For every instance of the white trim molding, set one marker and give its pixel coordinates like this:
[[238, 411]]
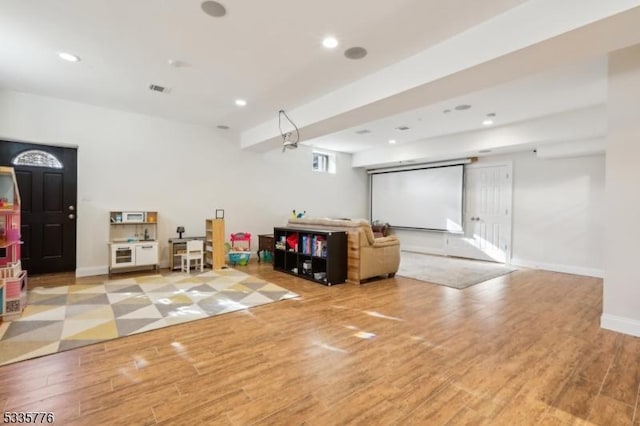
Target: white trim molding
[[567, 269], [620, 324], [90, 271], [423, 250]]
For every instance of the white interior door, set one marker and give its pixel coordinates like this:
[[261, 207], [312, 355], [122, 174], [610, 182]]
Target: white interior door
[[487, 217]]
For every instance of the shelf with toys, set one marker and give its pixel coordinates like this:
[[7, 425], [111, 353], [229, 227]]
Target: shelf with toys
[[240, 248], [316, 255], [133, 240]]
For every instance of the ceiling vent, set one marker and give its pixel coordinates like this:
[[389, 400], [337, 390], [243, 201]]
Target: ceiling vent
[[156, 88], [363, 131], [402, 128]]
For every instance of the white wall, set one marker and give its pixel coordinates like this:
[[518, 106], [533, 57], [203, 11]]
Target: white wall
[[558, 214], [621, 301], [136, 162], [431, 242], [131, 161]]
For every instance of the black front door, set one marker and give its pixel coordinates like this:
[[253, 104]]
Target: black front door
[[48, 211]]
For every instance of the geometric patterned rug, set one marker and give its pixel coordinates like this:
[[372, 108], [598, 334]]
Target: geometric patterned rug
[[62, 318]]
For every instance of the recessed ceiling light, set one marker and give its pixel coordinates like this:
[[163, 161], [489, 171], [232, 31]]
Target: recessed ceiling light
[[487, 122], [222, 127], [68, 57], [446, 111], [176, 63], [491, 114], [241, 102], [213, 8], [355, 52], [330, 42], [392, 141], [402, 128], [363, 131]]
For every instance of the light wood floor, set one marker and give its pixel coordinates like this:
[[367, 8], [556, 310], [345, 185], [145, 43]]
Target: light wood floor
[[521, 349]]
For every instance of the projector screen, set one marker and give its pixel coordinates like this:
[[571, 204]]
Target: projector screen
[[428, 198]]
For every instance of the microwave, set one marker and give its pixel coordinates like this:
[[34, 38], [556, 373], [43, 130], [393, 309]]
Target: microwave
[[133, 217]]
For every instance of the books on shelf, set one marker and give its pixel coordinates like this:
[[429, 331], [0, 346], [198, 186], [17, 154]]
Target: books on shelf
[[314, 245], [320, 246]]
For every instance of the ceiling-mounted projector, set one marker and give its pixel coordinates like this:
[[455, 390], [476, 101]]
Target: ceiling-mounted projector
[[287, 143], [289, 140]]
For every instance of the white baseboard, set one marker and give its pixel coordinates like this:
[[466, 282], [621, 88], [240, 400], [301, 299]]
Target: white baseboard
[[555, 267], [90, 271], [620, 324], [420, 249]]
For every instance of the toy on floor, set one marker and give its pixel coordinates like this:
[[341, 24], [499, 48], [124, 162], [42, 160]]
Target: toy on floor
[[239, 254]]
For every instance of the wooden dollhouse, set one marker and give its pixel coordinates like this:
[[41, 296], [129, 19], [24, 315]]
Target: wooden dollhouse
[[13, 280]]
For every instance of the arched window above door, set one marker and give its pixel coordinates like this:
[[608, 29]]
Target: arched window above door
[[37, 158]]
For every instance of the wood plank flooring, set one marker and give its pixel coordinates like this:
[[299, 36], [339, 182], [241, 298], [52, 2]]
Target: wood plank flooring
[[525, 348]]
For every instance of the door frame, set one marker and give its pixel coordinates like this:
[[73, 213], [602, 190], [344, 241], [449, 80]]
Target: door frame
[[491, 164], [72, 264]]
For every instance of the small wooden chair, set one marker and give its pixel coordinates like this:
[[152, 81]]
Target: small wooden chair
[[195, 253]]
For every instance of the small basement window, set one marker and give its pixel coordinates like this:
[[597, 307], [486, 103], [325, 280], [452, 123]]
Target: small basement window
[[323, 162]]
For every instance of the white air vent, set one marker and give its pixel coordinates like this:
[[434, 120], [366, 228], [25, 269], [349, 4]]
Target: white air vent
[[156, 88]]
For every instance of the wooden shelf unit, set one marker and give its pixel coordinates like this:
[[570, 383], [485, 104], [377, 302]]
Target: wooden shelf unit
[[316, 255], [214, 243]]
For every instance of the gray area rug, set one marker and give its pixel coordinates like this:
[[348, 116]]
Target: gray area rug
[[449, 271]]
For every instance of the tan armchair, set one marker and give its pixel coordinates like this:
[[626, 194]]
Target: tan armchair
[[367, 256]]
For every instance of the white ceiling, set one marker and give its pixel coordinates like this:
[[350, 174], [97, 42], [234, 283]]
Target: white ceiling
[[270, 53], [564, 89]]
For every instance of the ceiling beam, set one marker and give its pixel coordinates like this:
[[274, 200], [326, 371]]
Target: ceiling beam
[[507, 47]]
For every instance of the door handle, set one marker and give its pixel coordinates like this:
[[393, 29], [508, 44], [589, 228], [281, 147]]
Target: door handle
[[71, 216], [71, 208]]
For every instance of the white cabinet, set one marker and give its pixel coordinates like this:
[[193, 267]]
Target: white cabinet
[[122, 255], [146, 254], [125, 255], [133, 239]]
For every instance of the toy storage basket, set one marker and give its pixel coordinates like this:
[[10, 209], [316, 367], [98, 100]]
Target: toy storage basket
[[239, 257]]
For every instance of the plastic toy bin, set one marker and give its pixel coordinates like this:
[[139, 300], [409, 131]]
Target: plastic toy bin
[[239, 257]]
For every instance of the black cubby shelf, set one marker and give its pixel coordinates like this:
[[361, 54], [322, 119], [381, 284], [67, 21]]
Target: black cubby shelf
[[317, 255]]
